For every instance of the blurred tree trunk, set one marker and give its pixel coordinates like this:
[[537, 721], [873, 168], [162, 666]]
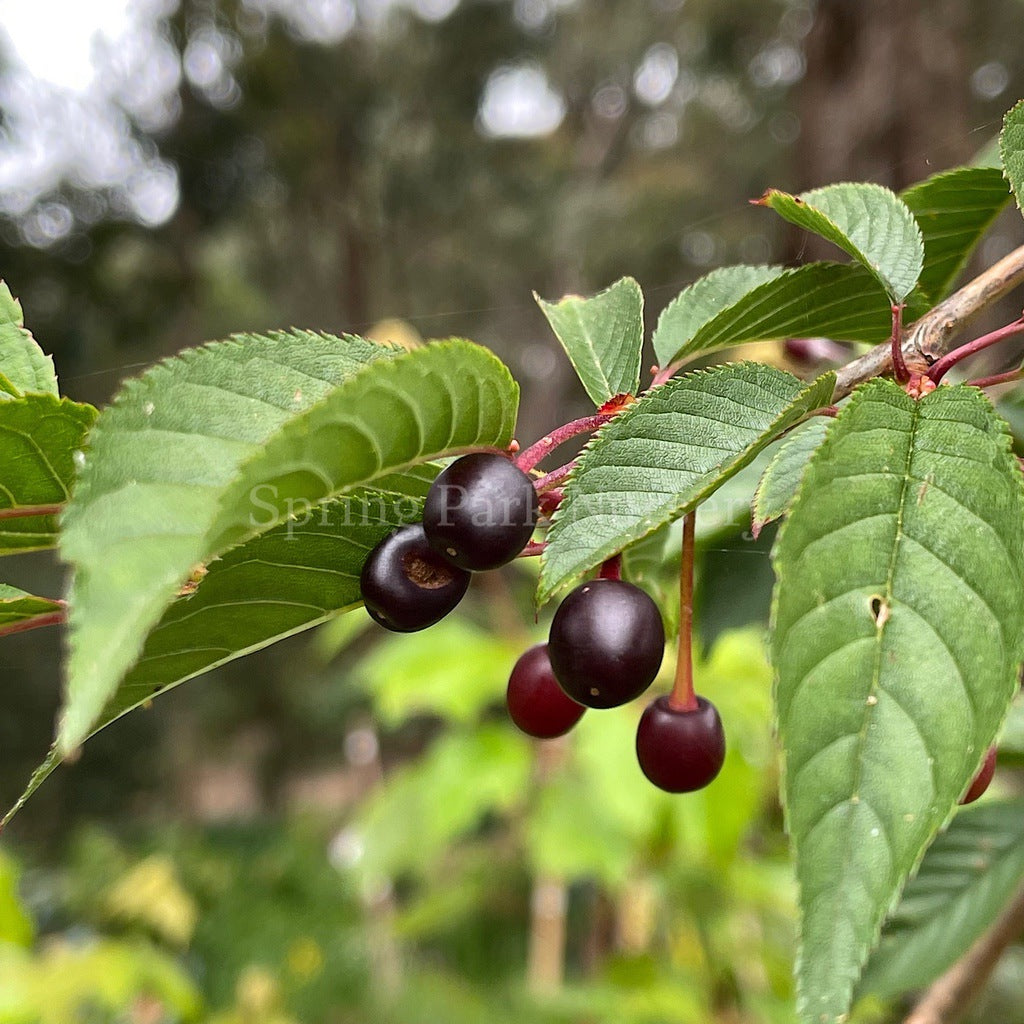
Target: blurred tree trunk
[[885, 94]]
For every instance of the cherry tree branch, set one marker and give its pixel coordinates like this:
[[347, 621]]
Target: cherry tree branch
[[935, 333], [951, 996]]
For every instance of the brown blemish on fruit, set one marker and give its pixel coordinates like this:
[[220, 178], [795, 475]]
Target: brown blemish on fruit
[[426, 575]]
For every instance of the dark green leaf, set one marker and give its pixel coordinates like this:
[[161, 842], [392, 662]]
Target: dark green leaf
[[1011, 150], [897, 636], [954, 210], [834, 300], [664, 455], [968, 875], [23, 365], [603, 337], [701, 302]]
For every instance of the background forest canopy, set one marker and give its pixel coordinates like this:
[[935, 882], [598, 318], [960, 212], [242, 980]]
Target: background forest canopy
[[173, 172]]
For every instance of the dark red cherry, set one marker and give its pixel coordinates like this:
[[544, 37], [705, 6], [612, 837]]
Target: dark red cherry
[[680, 751], [982, 779], [606, 643], [406, 585], [536, 703], [481, 511]]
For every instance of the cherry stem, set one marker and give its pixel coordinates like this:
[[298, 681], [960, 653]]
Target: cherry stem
[[535, 547], [36, 622], [27, 511], [682, 697], [546, 482], [997, 378], [539, 450], [899, 364], [939, 369], [611, 569], [664, 373]]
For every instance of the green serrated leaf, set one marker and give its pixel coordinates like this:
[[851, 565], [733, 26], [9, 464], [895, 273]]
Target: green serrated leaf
[[867, 221], [782, 476], [18, 608], [221, 444], [954, 210], [897, 635], [603, 337], [664, 455], [968, 875], [701, 302], [1011, 151], [834, 300], [283, 582], [39, 436], [24, 365]]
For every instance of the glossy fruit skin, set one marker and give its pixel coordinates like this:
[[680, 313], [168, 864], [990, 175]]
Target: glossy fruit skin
[[480, 511], [606, 643], [536, 703], [406, 585], [982, 779], [680, 751]]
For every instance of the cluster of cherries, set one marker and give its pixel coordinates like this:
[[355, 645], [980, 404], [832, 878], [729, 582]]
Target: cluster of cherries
[[606, 641]]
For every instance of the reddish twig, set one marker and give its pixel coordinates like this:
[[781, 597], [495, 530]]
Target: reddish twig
[[36, 622], [662, 374], [997, 378], [939, 369], [28, 511], [540, 449], [899, 364], [611, 569], [535, 547], [546, 482]]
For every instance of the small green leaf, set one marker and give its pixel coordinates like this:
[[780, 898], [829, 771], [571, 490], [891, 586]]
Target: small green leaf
[[701, 302], [778, 485], [39, 436], [18, 609], [603, 337], [867, 221], [968, 875], [23, 364], [897, 637], [664, 455], [833, 300], [223, 443], [954, 210], [1011, 150]]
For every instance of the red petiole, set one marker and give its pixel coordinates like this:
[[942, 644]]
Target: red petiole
[[939, 369]]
